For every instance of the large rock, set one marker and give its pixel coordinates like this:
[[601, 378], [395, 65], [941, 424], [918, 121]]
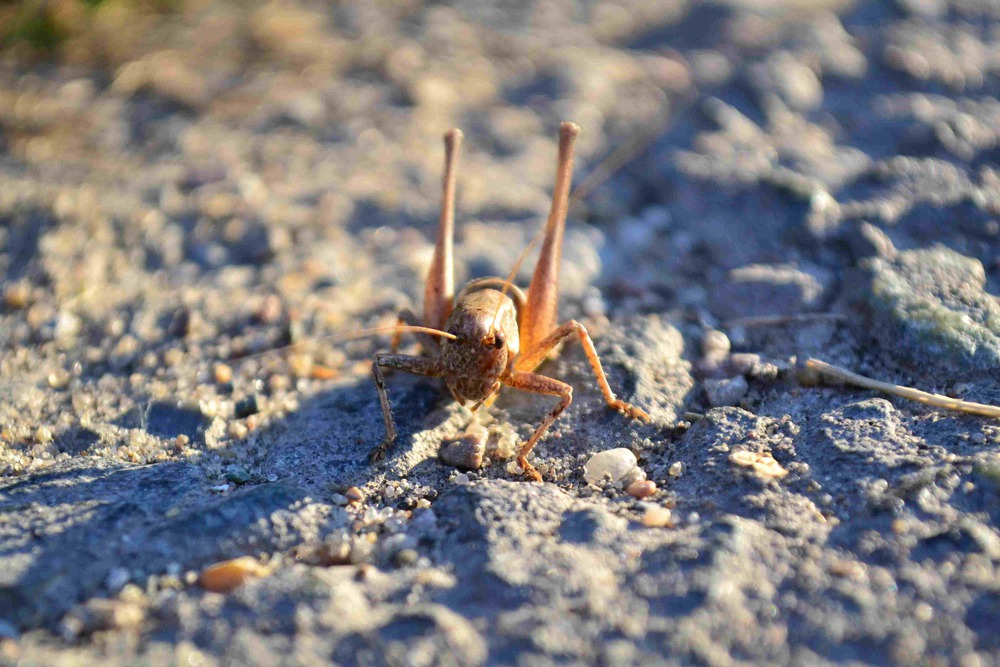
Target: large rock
[[930, 311]]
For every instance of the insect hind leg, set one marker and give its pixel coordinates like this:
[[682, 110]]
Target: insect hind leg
[[439, 291], [532, 358]]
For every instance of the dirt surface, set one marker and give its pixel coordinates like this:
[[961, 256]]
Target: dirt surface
[[185, 187]]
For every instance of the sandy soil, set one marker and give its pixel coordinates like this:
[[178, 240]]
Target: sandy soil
[[187, 186]]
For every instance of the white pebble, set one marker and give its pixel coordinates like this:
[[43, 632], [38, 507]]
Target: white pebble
[[715, 343], [68, 326], [656, 516], [617, 464]]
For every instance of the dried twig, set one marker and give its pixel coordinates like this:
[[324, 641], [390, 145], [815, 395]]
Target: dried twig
[[936, 400]]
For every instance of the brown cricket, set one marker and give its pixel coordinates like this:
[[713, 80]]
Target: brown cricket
[[493, 334]]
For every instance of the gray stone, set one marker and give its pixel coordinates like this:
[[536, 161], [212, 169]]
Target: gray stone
[[930, 311], [726, 391], [465, 452]]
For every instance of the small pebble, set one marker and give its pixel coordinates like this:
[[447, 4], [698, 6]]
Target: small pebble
[[270, 309], [464, 452], [320, 372], [461, 478], [67, 326], [102, 614], [58, 379], [223, 373], [978, 438], [248, 406], [715, 343], [354, 495], [616, 464], [301, 364], [726, 392], [43, 435], [762, 463], [657, 516], [643, 489], [277, 383], [405, 557], [238, 475], [324, 554], [231, 574], [743, 363], [17, 296], [676, 469]]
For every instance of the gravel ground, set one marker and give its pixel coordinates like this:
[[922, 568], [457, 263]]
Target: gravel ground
[[187, 186]]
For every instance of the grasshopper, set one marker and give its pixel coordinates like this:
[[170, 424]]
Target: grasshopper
[[493, 334]]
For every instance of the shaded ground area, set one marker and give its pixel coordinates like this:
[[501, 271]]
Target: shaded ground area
[[185, 187]]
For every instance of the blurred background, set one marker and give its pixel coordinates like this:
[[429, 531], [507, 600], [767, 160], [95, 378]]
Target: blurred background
[[186, 181]]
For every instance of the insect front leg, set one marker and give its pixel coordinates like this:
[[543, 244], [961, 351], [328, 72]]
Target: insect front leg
[[539, 384], [532, 358], [404, 362]]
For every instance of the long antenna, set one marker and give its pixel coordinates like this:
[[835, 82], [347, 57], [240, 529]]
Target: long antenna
[[354, 335], [513, 272]]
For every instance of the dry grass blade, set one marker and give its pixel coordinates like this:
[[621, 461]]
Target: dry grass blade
[[936, 400]]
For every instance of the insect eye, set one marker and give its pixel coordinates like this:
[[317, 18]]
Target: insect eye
[[498, 341]]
